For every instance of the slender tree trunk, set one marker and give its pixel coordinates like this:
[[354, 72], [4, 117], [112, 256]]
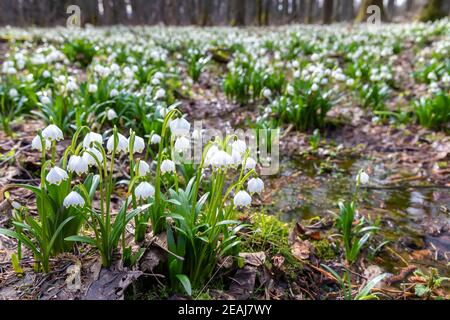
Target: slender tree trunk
[[309, 14], [237, 12], [327, 11], [391, 9], [347, 10]]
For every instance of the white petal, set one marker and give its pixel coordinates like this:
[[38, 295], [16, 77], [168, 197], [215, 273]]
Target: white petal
[[73, 199]]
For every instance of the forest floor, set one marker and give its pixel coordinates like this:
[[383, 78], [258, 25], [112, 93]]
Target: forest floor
[[409, 198]]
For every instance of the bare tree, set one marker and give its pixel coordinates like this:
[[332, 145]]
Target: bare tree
[[327, 11], [347, 10]]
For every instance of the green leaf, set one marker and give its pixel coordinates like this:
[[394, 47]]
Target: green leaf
[[27, 242], [81, 239], [55, 235], [185, 282], [364, 292]]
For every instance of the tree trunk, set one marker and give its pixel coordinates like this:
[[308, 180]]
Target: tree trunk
[[347, 10], [309, 12], [327, 11], [432, 11], [237, 12], [391, 9]]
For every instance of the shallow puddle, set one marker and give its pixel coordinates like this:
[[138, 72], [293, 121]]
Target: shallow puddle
[[412, 218]]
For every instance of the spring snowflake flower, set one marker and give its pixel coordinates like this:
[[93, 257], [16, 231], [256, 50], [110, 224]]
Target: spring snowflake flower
[[236, 157], [167, 166], [46, 74], [78, 165], [73, 199], [155, 138], [111, 114], [92, 88], [143, 168], [139, 144], [181, 144], [350, 82], [209, 155], [13, 93], [91, 161], [160, 94], [113, 93], [250, 164], [239, 145], [90, 138], [122, 143], [56, 175], [255, 185], [180, 127], [221, 159], [144, 190], [52, 133], [267, 93], [36, 143], [71, 85], [242, 199], [44, 99], [290, 90], [314, 87], [362, 177]]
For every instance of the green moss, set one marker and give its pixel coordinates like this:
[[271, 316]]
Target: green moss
[[323, 250]]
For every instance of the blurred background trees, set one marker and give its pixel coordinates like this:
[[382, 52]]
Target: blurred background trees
[[216, 12]]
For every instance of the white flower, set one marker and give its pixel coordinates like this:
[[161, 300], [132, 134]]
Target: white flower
[[290, 90], [236, 156], [160, 94], [37, 143], [46, 74], [122, 143], [221, 159], [52, 133], [242, 199], [182, 144], [139, 144], [239, 145], [267, 93], [167, 166], [91, 161], [180, 127], [314, 87], [250, 164], [211, 152], [255, 185], [113, 93], [13, 92], [45, 99], [90, 138], [56, 175], [92, 88], [362, 177], [144, 190], [350, 82], [73, 199], [71, 85], [155, 139], [111, 114], [143, 168], [78, 164]]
